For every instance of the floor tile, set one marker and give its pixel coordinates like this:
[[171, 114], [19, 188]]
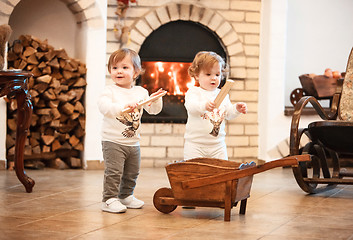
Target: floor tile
[[65, 204]]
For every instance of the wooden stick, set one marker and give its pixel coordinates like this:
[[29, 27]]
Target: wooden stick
[[223, 93], [146, 101]]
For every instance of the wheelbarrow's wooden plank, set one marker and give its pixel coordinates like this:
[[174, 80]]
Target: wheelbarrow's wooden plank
[[218, 178], [178, 202], [215, 162], [168, 201]]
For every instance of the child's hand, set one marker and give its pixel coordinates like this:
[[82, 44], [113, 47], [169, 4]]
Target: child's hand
[[210, 106], [131, 106], [160, 91], [241, 107]]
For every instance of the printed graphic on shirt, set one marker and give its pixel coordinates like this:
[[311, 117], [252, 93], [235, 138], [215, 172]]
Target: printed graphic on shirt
[[132, 121], [216, 118]]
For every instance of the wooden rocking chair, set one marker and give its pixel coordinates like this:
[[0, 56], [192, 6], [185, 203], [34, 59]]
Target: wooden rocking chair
[[333, 135]]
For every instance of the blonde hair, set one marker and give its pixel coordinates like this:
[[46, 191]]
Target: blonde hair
[[205, 60], [120, 54]]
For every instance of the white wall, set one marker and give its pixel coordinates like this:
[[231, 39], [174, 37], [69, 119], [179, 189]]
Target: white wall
[[95, 84], [297, 36], [96, 69], [44, 19], [319, 36], [2, 129], [273, 126], [3, 119]]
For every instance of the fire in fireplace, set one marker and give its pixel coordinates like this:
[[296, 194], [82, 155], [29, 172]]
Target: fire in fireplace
[[172, 77]]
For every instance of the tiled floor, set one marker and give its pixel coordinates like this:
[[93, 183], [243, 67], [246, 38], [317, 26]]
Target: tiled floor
[[65, 205]]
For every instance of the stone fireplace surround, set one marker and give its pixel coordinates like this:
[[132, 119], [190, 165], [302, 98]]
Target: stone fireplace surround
[[237, 23]]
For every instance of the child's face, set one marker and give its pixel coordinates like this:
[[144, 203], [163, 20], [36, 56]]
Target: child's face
[[209, 79], [123, 73]]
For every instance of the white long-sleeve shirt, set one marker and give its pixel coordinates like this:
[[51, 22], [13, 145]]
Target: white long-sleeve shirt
[[125, 128], [205, 127]]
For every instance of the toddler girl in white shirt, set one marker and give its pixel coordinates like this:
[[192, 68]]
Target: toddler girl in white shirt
[[205, 127]]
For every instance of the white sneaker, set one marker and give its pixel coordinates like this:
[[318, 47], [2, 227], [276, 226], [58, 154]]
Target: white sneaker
[[113, 205], [132, 202]]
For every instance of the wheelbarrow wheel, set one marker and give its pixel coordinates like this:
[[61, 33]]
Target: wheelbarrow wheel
[[296, 95], [163, 192]]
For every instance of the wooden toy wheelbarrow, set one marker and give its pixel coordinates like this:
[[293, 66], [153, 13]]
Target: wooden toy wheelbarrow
[[207, 182]]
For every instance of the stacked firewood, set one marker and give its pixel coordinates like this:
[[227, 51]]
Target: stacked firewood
[[56, 88]]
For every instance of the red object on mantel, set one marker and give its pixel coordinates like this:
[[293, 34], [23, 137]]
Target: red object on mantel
[[127, 1], [123, 5]]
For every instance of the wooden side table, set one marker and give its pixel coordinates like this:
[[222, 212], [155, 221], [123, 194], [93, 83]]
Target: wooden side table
[[14, 84]]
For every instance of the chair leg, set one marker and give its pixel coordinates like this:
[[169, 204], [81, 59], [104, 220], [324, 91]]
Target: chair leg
[[336, 164], [24, 113], [228, 201], [242, 209], [227, 210], [323, 161]]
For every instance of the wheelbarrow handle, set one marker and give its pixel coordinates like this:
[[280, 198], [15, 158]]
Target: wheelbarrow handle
[[232, 175]]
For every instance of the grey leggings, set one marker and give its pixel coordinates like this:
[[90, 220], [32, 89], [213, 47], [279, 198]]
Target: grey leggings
[[122, 165]]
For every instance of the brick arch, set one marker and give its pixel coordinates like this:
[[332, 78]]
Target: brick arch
[[143, 27], [84, 11]]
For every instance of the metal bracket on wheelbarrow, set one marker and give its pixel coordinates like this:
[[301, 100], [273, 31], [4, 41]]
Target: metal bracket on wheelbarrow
[[208, 182]]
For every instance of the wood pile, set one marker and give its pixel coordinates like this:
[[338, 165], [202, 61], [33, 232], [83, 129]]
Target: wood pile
[[57, 89]]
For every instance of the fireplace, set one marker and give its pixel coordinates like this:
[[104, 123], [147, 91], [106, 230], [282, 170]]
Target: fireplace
[[166, 55]]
